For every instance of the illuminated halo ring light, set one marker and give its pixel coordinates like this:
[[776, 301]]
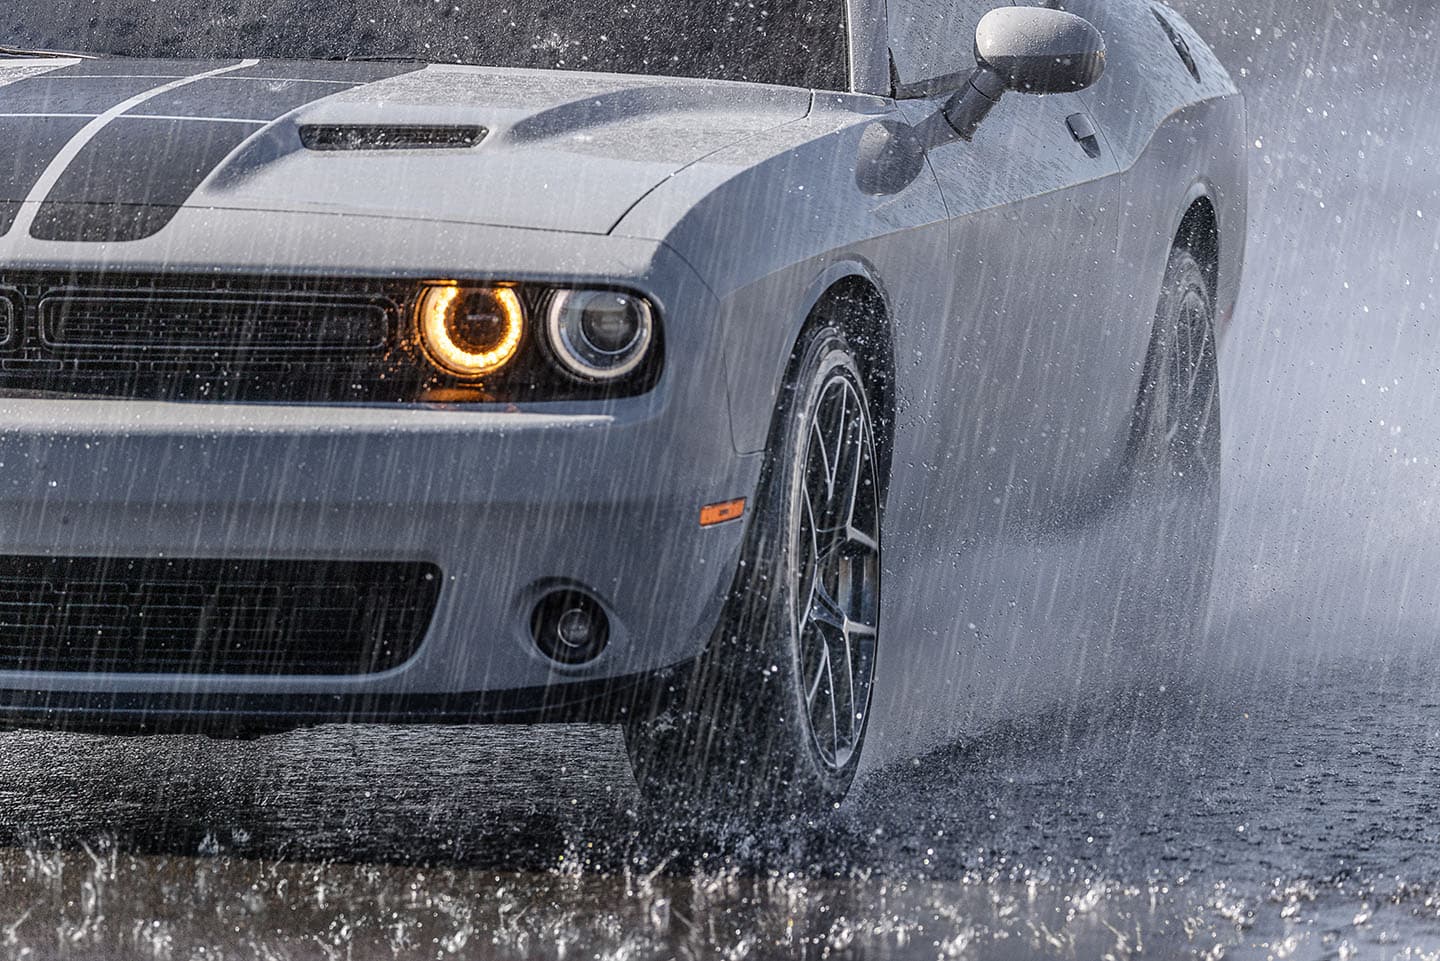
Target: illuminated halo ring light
[[470, 331]]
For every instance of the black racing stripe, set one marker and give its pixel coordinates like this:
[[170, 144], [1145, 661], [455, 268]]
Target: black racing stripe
[[130, 180], [236, 99], [101, 222], [335, 71], [30, 144], [136, 67], [32, 139], [62, 93]]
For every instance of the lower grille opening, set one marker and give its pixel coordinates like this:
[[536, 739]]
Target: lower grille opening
[[189, 616]]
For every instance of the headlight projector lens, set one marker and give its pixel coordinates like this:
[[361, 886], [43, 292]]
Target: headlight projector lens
[[600, 334], [471, 331]]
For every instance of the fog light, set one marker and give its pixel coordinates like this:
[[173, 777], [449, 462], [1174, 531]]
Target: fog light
[[470, 331], [600, 334], [570, 627]]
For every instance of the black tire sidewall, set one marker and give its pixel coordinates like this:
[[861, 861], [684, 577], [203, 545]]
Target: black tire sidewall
[[824, 356]]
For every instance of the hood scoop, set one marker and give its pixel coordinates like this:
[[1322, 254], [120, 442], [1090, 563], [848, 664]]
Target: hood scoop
[[374, 136]]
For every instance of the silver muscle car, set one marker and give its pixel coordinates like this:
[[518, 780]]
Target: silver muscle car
[[413, 363]]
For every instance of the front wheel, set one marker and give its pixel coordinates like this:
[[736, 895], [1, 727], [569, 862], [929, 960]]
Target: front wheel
[[771, 720]]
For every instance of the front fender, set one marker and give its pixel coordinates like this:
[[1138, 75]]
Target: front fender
[[773, 223]]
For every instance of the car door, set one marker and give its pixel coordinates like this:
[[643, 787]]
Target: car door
[[1022, 402], [1016, 396]]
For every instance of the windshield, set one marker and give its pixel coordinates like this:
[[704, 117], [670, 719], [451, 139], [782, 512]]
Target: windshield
[[793, 42]]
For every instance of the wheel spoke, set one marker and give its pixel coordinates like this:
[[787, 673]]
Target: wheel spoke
[[849, 698], [856, 447], [834, 710], [820, 672], [862, 661], [860, 629], [825, 458], [824, 609], [810, 568], [841, 420], [856, 538]]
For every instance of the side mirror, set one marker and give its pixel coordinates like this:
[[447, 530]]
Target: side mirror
[[1029, 50], [1037, 50]]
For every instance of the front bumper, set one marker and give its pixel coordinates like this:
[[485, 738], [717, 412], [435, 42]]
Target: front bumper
[[506, 502]]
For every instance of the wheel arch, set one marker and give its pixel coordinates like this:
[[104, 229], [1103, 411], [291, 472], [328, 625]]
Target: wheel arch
[[1210, 222], [851, 297]]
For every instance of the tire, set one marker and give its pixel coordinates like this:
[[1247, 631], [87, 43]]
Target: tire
[[1176, 440], [756, 731], [1175, 478]]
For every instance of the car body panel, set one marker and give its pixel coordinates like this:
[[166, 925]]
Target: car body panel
[[565, 152], [1032, 600], [794, 198], [1039, 421], [1159, 119], [492, 498]]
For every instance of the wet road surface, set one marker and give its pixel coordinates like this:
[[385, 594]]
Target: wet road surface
[[1237, 817]]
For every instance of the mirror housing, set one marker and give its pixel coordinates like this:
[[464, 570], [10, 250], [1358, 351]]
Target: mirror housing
[[1038, 50], [1029, 50]]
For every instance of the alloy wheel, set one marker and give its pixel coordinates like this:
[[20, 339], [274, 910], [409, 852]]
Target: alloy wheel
[[1183, 385], [838, 571]]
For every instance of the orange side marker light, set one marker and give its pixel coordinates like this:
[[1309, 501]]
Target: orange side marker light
[[712, 514]]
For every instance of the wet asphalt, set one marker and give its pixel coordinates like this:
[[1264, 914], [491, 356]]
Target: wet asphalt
[[1236, 816]]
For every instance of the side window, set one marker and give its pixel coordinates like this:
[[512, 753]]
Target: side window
[[934, 39]]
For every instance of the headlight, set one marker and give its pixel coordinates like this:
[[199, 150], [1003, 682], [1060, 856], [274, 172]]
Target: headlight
[[600, 334], [470, 331]]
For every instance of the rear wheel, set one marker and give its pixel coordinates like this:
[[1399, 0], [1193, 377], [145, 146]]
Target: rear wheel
[[771, 721], [1177, 436], [1175, 473]]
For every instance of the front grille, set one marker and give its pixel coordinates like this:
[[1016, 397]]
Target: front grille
[[163, 322], [188, 616], [238, 338], [230, 339]]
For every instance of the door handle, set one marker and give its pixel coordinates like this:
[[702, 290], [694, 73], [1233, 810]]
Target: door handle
[[1083, 130]]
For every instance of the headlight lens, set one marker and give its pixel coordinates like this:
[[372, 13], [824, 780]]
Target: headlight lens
[[600, 334], [470, 331]]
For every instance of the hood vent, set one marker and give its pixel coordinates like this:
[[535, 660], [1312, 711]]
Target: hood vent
[[374, 136]]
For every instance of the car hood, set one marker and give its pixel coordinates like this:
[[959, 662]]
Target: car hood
[[116, 147]]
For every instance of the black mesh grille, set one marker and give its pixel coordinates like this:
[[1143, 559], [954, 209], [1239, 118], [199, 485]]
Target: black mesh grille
[[166, 322], [186, 616], [224, 339]]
